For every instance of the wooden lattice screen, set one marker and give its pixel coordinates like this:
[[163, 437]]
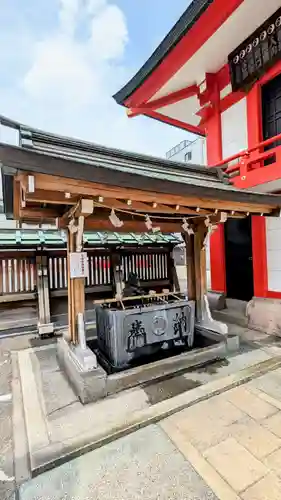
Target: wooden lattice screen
[[152, 266], [99, 270], [18, 270], [17, 274]]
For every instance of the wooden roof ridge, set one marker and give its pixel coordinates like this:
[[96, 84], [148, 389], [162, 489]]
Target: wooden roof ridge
[[63, 157], [114, 173], [36, 139]]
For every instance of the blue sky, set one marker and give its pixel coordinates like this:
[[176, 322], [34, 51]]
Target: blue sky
[[61, 61]]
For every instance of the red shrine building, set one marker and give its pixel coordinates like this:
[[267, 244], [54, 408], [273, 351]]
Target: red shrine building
[[217, 74]]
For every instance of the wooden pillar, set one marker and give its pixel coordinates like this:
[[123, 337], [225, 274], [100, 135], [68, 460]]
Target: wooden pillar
[[190, 265], [76, 280], [200, 269], [76, 292], [196, 267]]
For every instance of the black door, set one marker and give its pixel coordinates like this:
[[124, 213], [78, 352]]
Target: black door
[[238, 259], [271, 109]]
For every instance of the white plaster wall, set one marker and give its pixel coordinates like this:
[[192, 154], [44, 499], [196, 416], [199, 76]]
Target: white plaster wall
[[7, 224], [234, 129], [273, 244]]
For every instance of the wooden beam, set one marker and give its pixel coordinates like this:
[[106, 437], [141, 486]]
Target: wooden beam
[[51, 197], [84, 207], [58, 198], [83, 188], [166, 100], [151, 208], [38, 213], [129, 226]]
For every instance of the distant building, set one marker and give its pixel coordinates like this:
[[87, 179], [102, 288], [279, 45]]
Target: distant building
[[189, 152]]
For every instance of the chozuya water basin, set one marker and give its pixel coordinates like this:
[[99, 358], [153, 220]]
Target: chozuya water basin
[[156, 322]]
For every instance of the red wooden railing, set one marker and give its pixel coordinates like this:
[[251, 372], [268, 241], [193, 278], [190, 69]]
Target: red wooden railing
[[252, 158]]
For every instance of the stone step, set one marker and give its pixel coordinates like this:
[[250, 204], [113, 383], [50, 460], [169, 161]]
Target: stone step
[[231, 316], [237, 305]]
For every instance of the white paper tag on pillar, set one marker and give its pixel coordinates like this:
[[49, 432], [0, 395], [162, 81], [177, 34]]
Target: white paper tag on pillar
[[223, 217], [79, 267]]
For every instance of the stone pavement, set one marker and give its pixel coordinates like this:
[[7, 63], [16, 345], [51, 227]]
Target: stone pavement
[[8, 411], [140, 458], [224, 448], [58, 427], [234, 440], [145, 465], [7, 484]]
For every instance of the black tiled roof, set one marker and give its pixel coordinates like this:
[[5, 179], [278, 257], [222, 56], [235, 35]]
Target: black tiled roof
[[193, 12]]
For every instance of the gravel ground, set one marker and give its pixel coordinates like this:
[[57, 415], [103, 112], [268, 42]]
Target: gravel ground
[[7, 483], [7, 473]]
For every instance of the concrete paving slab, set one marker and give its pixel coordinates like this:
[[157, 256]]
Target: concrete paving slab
[[206, 423], [235, 464], [57, 392], [75, 431], [270, 383], [268, 488], [143, 465], [273, 462], [46, 359], [214, 480], [7, 473], [259, 441], [105, 413], [273, 424], [21, 451], [250, 404], [264, 396], [34, 417]]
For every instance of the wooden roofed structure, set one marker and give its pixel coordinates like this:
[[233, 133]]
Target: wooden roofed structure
[[83, 186]]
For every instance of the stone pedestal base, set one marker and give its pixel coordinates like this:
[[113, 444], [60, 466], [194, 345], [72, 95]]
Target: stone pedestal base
[[264, 315], [217, 300], [45, 329], [87, 378]]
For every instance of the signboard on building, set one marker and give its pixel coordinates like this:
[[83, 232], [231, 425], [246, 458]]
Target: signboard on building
[[78, 265], [256, 54]]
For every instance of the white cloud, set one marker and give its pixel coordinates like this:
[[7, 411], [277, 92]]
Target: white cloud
[[69, 10], [109, 33], [61, 73], [94, 6], [68, 75], [71, 71]]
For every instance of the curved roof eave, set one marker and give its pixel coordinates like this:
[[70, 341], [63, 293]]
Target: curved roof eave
[[193, 12]]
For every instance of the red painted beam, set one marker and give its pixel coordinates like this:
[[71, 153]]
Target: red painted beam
[[230, 100], [223, 77], [210, 21], [166, 100], [175, 123]]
